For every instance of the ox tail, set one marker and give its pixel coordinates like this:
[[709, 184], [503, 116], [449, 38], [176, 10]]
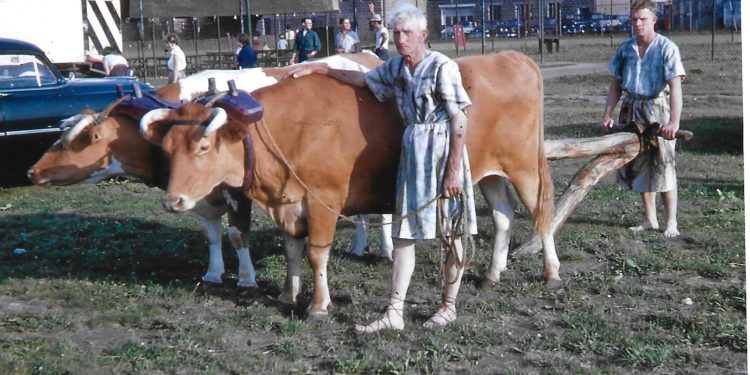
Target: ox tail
[[545, 203]]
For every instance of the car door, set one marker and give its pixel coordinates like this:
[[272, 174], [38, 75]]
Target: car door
[[32, 96]]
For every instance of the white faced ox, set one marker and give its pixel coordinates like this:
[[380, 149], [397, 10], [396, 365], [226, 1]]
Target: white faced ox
[[324, 148], [98, 146], [94, 147]]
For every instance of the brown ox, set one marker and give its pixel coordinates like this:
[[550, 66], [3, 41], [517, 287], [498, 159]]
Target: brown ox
[[337, 154], [109, 144]]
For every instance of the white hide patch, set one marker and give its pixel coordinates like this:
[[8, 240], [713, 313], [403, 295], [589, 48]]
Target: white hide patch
[[246, 79], [250, 80], [112, 170], [341, 63]]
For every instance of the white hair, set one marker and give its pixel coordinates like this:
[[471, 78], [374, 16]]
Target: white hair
[[404, 12]]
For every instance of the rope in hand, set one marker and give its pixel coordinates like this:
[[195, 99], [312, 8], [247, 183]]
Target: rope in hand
[[458, 224]]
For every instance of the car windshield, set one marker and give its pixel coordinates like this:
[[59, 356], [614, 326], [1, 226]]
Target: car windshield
[[24, 71]]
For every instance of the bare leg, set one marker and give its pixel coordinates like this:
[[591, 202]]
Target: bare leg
[[386, 242], [670, 206], [403, 267], [650, 221], [452, 275]]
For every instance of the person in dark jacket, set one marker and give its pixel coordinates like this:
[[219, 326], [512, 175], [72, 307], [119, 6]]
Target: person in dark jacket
[[246, 58], [307, 44]]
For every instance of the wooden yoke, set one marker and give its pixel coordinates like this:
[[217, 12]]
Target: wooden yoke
[[610, 152]]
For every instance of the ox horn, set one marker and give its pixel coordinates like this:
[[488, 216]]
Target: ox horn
[[152, 116], [218, 118], [79, 122]]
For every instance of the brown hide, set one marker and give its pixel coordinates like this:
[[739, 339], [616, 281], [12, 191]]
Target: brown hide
[[325, 148], [344, 145], [119, 136]]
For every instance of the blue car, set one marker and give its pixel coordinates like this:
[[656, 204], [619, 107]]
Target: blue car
[[35, 98]]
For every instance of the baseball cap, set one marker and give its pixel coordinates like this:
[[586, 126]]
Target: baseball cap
[[376, 17]]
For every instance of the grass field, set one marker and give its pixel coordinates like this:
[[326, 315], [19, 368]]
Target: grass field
[[100, 279]]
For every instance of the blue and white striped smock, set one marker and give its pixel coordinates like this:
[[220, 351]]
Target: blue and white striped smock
[[426, 99], [644, 80]]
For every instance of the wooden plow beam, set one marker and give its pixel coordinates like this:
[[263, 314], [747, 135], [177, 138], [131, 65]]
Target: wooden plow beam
[[610, 152]]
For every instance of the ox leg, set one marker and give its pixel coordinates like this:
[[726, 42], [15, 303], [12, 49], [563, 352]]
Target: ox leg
[[551, 263], [527, 187], [292, 284], [496, 193], [322, 227], [403, 268], [212, 230], [240, 213], [386, 241], [359, 245], [246, 273]]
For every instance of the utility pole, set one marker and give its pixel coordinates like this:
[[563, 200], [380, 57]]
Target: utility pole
[[249, 20]]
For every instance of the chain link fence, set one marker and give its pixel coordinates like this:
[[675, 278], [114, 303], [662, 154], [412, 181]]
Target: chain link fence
[[566, 38]]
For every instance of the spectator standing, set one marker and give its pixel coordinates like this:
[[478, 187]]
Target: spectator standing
[[176, 64], [307, 44], [381, 34], [113, 63], [648, 69], [282, 44], [346, 39], [290, 35], [246, 58], [433, 161]]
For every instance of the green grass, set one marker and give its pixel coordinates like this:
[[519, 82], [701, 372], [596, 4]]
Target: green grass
[[107, 282]]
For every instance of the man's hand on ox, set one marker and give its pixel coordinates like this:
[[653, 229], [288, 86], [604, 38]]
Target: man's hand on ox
[[302, 70]]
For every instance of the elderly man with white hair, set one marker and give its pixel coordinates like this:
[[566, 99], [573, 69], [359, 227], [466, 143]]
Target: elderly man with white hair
[[428, 89]]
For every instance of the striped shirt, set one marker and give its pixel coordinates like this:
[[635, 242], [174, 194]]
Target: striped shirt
[[426, 99], [647, 76]]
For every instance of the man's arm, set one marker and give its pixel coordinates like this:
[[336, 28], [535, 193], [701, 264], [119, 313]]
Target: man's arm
[[669, 130], [354, 78], [384, 39], [451, 182], [613, 96]]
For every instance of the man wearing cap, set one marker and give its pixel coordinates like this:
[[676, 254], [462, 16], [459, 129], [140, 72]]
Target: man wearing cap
[[381, 35]]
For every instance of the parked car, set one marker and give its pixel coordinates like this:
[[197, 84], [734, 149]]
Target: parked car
[[506, 30], [35, 98]]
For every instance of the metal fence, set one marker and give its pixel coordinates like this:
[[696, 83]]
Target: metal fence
[[707, 31]]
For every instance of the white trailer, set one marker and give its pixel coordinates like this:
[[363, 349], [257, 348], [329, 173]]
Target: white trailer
[[64, 29]]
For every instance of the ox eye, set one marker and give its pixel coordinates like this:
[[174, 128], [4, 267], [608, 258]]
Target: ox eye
[[204, 148]]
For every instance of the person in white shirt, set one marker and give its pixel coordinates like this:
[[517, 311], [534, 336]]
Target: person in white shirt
[[177, 62], [113, 63], [346, 39]]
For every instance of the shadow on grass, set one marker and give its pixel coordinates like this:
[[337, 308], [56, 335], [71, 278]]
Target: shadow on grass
[[712, 135], [113, 249]]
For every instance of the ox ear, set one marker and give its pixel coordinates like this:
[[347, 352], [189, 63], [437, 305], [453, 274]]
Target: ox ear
[[152, 126]]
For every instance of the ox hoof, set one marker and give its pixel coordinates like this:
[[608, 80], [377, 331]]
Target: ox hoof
[[284, 299], [210, 286], [488, 284], [554, 283], [317, 314], [245, 293]]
